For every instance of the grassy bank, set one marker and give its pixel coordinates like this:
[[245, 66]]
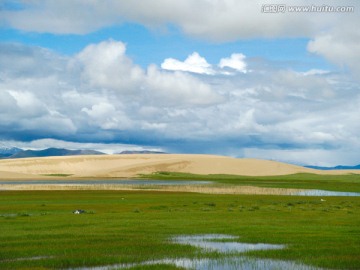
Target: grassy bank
[[346, 182], [39, 231]]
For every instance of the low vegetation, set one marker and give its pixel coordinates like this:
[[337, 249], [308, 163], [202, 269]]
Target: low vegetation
[[40, 231]]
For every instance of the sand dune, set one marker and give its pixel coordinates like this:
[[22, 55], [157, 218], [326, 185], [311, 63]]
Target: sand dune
[[133, 164]]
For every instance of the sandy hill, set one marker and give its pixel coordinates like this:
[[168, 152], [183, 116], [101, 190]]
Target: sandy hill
[[134, 164]]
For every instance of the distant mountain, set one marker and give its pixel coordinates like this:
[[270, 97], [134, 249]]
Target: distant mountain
[[141, 152], [339, 167], [53, 152], [8, 151]]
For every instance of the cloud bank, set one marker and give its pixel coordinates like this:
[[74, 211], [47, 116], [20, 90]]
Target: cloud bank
[[101, 96]]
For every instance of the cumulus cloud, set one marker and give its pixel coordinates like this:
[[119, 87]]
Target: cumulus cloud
[[341, 46], [193, 63], [98, 90], [106, 116], [197, 64], [179, 88], [105, 65], [235, 61], [29, 105]]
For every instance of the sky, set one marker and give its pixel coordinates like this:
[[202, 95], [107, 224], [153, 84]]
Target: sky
[[248, 79]]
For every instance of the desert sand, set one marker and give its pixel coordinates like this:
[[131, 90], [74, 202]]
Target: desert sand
[[126, 166]]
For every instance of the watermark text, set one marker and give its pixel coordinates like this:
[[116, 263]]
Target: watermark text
[[282, 8]]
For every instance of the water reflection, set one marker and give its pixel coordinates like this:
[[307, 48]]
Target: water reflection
[[222, 244], [317, 192], [236, 263], [210, 242]]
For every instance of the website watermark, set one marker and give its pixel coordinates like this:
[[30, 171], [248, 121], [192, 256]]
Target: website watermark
[[282, 8]]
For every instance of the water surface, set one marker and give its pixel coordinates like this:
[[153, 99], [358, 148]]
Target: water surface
[[106, 182], [210, 242], [318, 192]]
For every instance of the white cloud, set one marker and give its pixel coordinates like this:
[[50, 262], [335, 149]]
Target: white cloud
[[193, 63], [105, 116], [235, 61], [341, 46], [179, 88], [105, 65], [28, 104], [197, 64]]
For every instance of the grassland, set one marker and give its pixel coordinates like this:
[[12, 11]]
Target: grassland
[[39, 230]]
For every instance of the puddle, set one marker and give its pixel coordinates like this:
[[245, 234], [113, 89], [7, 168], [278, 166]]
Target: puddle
[[210, 242], [106, 182], [236, 263], [317, 192], [222, 244]]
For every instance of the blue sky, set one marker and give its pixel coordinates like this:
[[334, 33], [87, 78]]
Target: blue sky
[[162, 43], [217, 77]]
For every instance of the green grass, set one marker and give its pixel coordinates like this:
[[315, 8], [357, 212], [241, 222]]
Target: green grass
[[134, 226], [349, 182]]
